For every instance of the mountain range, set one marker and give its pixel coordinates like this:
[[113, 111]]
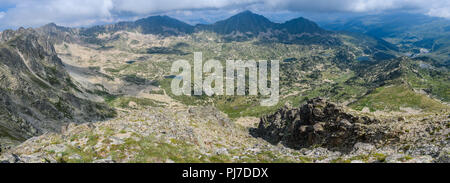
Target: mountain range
[[242, 26], [63, 80], [245, 22], [414, 34]]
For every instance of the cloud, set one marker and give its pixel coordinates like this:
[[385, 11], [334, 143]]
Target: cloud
[[150, 6], [67, 12], [431, 7], [440, 11], [87, 12]]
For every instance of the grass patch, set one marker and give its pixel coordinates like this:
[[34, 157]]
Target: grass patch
[[392, 98]]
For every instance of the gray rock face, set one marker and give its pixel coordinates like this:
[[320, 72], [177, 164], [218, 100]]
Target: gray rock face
[[36, 93], [318, 123], [363, 148], [58, 34], [444, 156]]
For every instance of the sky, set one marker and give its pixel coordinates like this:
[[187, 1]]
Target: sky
[[83, 13]]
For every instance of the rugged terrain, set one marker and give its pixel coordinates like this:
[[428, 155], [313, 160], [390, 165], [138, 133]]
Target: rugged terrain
[[316, 132], [415, 35], [102, 94], [36, 94]]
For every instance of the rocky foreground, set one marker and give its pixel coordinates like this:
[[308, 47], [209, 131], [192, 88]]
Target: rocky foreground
[[318, 131]]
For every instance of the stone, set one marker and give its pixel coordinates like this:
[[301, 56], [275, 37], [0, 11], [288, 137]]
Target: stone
[[362, 148], [132, 104], [345, 123], [356, 161], [116, 140], [12, 158], [318, 127], [394, 158], [221, 151], [321, 122], [107, 160]]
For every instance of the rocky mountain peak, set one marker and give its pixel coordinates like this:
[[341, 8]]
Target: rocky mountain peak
[[163, 25], [301, 25], [244, 22], [58, 34]]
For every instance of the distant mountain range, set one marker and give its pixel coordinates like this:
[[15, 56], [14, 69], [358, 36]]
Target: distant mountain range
[[245, 22], [414, 34], [242, 26], [250, 23], [162, 25], [393, 25]]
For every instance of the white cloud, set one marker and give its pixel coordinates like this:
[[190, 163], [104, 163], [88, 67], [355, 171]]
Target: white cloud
[[149, 6], [363, 6], [87, 12], [2, 14], [66, 12], [440, 10]]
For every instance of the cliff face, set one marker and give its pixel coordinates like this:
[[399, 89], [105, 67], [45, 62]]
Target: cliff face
[[36, 93]]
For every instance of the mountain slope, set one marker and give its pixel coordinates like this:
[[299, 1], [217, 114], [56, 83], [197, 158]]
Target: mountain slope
[[163, 25], [414, 34], [159, 25], [240, 27], [248, 25], [36, 94], [245, 22], [301, 25], [402, 83], [58, 34]]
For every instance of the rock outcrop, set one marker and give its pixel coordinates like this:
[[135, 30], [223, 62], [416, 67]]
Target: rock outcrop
[[319, 123]]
